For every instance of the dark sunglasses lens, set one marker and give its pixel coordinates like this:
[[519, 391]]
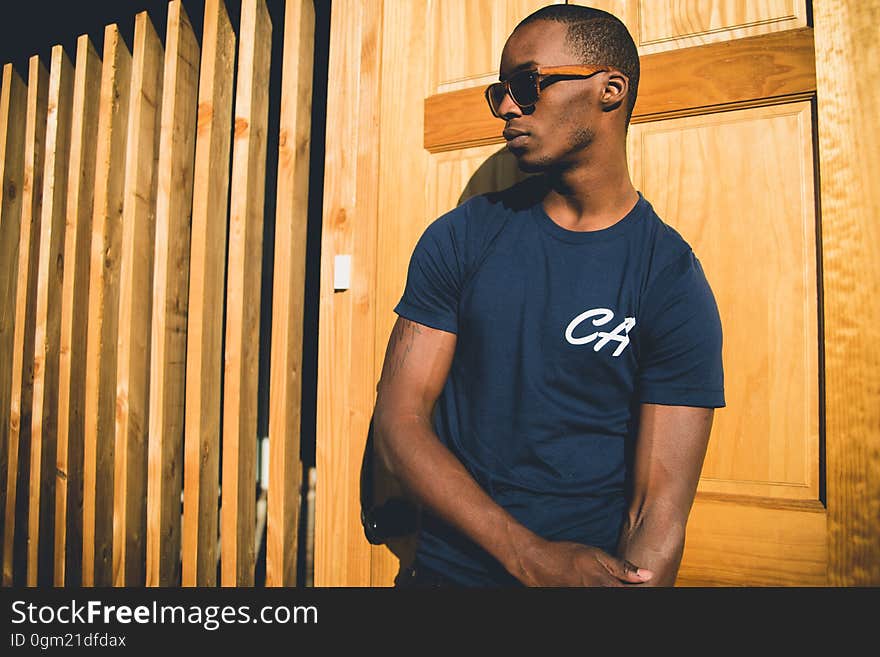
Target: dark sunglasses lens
[[496, 95], [524, 88]]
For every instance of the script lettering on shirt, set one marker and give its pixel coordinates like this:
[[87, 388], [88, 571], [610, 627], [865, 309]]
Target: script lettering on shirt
[[600, 317]]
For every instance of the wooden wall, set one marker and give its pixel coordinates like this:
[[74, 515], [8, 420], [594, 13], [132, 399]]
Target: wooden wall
[[738, 139], [130, 290]]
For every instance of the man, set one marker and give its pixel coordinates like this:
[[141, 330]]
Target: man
[[548, 388]]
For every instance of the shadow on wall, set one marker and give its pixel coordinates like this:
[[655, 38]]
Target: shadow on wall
[[389, 516], [498, 172]]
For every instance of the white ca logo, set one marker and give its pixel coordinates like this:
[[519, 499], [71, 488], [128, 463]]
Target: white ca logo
[[602, 317]]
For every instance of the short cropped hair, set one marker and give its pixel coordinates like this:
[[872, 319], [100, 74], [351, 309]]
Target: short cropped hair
[[596, 38]]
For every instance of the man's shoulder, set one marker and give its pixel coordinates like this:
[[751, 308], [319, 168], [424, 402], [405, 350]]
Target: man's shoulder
[[668, 246], [671, 261]]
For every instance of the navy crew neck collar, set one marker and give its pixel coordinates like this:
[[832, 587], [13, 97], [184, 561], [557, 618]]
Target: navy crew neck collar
[[581, 236]]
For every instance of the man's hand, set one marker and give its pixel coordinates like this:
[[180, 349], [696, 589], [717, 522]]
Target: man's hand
[[562, 563]]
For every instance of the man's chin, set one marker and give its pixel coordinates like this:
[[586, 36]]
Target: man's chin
[[529, 165], [530, 160]]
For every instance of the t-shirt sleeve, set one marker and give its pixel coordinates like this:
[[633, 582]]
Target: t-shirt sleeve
[[434, 277], [681, 362]]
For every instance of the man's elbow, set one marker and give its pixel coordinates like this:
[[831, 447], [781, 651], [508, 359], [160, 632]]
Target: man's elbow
[[391, 426], [383, 442], [658, 530]]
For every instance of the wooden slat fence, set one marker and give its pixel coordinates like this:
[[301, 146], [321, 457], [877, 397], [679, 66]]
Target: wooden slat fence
[[132, 214], [15, 517]]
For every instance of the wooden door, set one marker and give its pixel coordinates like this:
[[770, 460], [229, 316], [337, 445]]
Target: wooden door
[[723, 144]]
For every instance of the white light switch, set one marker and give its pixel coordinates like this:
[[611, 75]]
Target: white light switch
[[342, 272]]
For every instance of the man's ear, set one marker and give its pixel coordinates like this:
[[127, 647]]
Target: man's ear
[[615, 90]]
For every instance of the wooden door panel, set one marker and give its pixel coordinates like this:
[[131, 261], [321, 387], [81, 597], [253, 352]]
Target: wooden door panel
[[740, 542], [674, 24], [739, 187], [465, 39], [658, 25]]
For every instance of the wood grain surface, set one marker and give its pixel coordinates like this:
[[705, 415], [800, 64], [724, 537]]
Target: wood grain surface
[[103, 311], [346, 382], [21, 391], [204, 339], [288, 295], [13, 112], [243, 274], [74, 315], [848, 97], [47, 329], [170, 296], [135, 307]]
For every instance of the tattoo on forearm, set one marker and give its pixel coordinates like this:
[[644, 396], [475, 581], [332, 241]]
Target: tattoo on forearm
[[401, 343]]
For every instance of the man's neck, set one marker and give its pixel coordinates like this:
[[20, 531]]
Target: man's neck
[[592, 195]]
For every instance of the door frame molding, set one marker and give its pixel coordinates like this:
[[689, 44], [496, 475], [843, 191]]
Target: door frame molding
[[847, 93]]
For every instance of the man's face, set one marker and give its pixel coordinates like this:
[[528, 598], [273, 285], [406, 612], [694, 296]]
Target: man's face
[[558, 129]]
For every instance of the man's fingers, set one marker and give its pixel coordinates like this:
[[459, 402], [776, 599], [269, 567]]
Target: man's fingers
[[633, 571], [629, 572]]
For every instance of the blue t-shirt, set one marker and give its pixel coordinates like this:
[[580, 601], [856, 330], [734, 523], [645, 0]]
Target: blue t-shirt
[[561, 335]]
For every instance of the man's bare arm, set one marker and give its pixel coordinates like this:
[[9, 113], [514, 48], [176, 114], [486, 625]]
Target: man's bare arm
[[417, 363], [670, 449]]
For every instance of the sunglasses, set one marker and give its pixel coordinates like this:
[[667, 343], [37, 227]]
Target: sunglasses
[[524, 87]]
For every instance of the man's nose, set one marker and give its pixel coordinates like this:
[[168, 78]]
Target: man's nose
[[508, 109]]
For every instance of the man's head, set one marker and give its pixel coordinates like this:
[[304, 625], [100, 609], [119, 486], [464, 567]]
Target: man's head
[[595, 37], [571, 110]]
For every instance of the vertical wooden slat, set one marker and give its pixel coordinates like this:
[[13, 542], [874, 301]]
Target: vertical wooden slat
[[404, 39], [170, 288], [243, 296], [205, 320], [285, 382], [100, 388], [74, 299], [135, 300], [13, 108], [848, 57], [21, 393], [41, 512], [346, 333]]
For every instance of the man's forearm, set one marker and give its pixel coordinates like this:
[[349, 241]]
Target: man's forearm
[[654, 538], [413, 453]]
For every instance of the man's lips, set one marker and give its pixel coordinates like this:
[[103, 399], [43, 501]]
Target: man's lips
[[515, 137]]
